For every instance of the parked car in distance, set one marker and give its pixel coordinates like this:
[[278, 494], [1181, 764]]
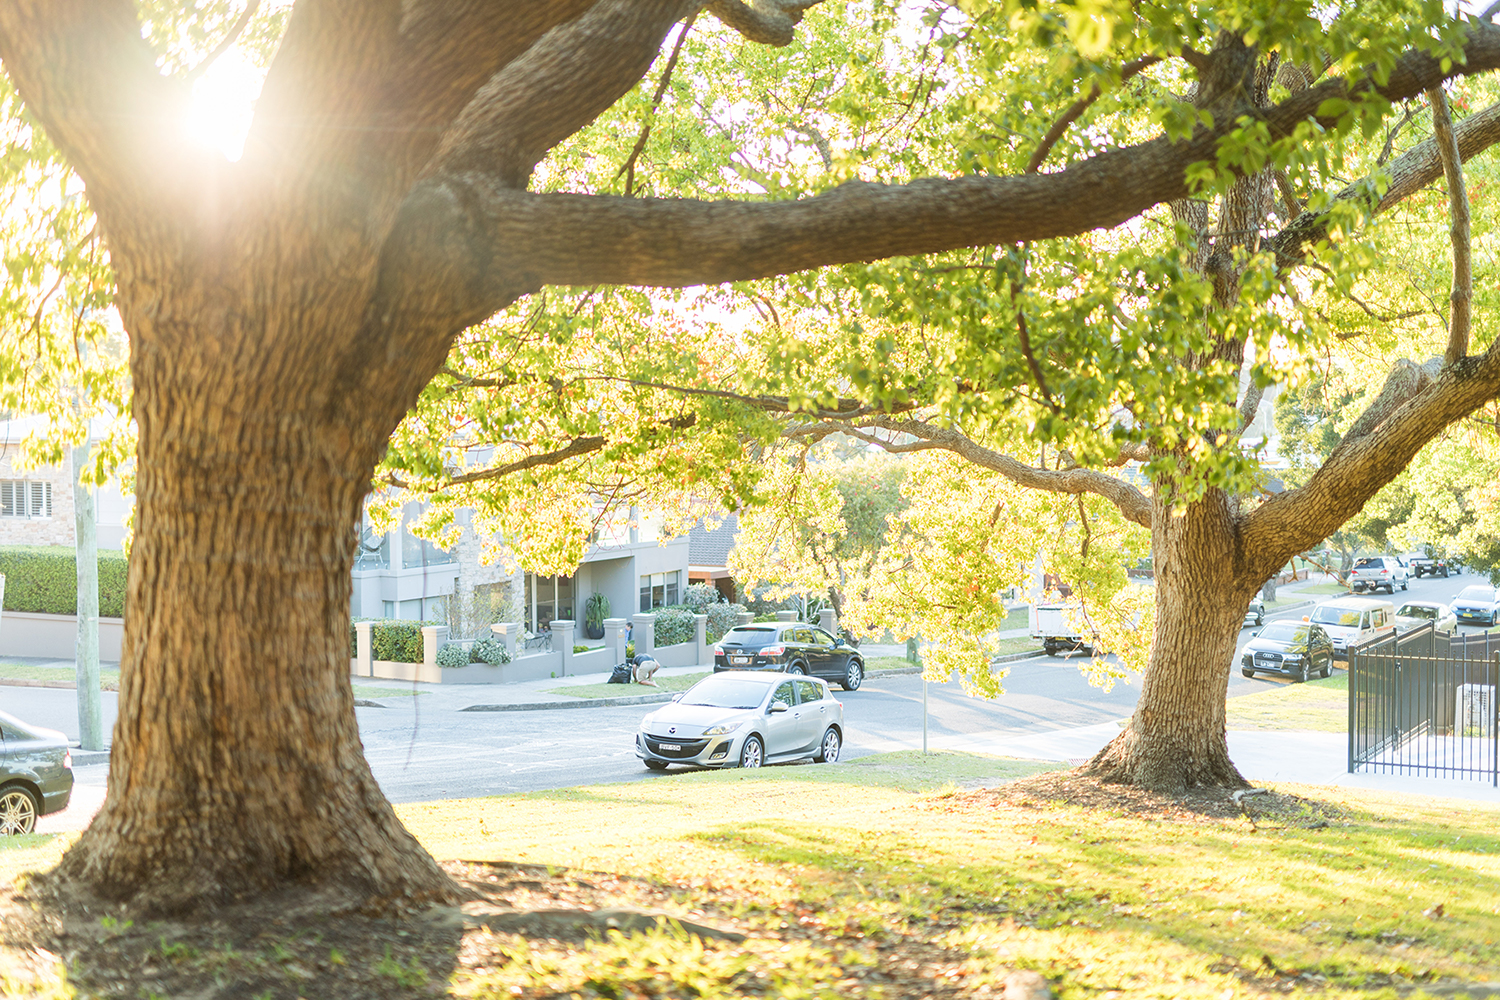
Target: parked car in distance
[[793, 648], [36, 774], [1298, 650], [1413, 614], [1377, 573], [1479, 603], [744, 719], [1420, 565], [1255, 614], [1351, 620]]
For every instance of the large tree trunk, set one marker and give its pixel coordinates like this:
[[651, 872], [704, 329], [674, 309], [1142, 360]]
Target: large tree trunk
[[1176, 738], [237, 764]]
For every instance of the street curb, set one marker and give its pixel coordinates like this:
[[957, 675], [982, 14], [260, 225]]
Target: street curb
[[1025, 654], [537, 706], [83, 758], [23, 683]]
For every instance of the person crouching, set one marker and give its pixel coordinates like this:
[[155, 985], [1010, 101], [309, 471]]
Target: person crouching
[[645, 666]]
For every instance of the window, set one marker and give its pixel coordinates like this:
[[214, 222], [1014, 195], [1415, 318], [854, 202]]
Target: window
[[547, 598], [809, 692], [25, 498], [659, 590]]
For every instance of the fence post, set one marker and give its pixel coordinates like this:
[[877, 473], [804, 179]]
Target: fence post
[[786, 616], [644, 633], [433, 637], [700, 636], [1350, 675], [562, 642], [614, 639], [745, 618], [828, 622], [363, 649], [508, 632]]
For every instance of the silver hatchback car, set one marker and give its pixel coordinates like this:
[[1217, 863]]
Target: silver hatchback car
[[744, 719]]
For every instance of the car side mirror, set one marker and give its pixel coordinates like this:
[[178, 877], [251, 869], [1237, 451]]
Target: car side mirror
[[838, 642], [1306, 618], [677, 696], [779, 706]]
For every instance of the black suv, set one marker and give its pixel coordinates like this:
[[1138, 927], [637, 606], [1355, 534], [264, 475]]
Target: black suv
[[791, 647]]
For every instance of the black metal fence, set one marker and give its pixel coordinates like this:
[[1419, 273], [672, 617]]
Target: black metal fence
[[1424, 703]]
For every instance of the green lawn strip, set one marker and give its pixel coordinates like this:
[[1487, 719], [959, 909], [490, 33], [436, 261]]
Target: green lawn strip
[[1018, 644], [371, 692], [108, 679], [833, 870], [889, 663], [673, 682], [1321, 589], [1321, 706]]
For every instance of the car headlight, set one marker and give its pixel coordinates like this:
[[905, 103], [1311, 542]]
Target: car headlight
[[1291, 657], [727, 727]]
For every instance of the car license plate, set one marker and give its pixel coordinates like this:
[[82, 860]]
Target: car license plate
[[739, 659], [670, 746]]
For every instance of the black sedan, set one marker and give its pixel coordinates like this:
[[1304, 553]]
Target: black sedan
[[791, 647], [36, 774], [1294, 649]]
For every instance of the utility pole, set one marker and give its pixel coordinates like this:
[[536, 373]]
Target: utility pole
[[90, 722]]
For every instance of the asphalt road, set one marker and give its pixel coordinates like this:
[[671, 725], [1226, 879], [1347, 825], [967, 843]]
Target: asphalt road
[[419, 754]]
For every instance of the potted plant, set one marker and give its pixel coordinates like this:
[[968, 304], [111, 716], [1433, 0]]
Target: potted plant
[[595, 610]]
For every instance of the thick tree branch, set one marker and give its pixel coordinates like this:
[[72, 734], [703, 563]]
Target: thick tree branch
[[1458, 209], [1409, 173], [564, 81], [1409, 412], [585, 239], [769, 22], [85, 72]]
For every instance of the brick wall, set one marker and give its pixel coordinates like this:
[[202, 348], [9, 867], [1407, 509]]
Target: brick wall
[[56, 530]]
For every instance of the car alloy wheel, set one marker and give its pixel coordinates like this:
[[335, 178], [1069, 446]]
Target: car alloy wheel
[[854, 676], [795, 668], [829, 754], [1328, 667], [1247, 671], [656, 765], [1303, 673], [17, 811], [753, 754]]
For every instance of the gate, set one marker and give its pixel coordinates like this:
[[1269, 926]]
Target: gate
[[1424, 703]]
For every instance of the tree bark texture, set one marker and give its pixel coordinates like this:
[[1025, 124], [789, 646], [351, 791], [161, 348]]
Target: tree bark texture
[[237, 764], [1176, 738]]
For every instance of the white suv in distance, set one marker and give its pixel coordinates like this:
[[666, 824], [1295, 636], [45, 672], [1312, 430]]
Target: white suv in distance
[[1377, 573]]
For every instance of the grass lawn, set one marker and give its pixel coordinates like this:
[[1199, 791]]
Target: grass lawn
[[1321, 706], [898, 876], [677, 682], [108, 679]]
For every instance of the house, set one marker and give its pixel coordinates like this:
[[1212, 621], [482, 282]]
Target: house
[[397, 575], [36, 504], [708, 554]]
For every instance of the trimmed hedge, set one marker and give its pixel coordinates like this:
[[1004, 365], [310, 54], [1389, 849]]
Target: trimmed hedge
[[673, 625], [43, 579], [452, 655], [722, 618], [390, 639]]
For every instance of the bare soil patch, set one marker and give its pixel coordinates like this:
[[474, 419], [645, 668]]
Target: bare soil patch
[[1261, 806]]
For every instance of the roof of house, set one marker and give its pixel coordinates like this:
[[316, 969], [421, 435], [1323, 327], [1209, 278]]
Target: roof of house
[[711, 548]]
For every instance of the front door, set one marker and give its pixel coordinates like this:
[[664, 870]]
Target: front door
[[825, 659], [815, 716], [783, 729]]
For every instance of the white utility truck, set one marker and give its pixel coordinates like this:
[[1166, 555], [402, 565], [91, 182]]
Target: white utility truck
[[1062, 626]]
